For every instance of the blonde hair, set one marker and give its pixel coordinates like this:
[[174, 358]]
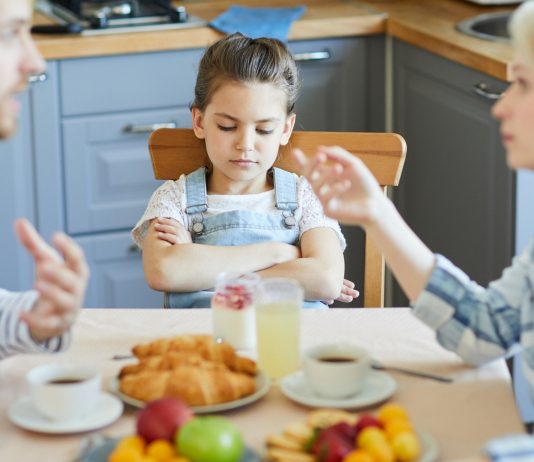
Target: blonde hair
[[522, 31], [241, 59]]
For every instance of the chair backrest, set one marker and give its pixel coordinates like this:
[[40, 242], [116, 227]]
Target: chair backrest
[[176, 151]]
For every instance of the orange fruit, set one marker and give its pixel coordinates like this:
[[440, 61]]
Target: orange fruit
[[369, 437], [395, 426], [160, 450], [382, 452], [134, 442], [406, 446], [392, 411], [178, 459], [125, 454], [358, 455]]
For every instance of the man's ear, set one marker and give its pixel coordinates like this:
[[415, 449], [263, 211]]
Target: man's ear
[[288, 129], [197, 117]]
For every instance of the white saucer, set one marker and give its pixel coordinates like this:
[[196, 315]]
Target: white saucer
[[378, 387], [107, 410]]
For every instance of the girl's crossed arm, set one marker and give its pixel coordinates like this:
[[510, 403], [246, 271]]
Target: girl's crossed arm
[[173, 263]]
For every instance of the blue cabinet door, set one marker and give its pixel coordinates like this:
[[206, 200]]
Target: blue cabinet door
[[108, 173], [16, 200], [117, 278]]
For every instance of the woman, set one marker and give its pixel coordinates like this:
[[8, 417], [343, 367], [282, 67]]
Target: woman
[[479, 324]]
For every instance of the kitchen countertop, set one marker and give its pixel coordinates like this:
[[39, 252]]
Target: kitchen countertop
[[429, 25]]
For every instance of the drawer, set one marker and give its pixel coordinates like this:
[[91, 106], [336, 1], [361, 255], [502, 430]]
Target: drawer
[[108, 173], [117, 278], [129, 82]]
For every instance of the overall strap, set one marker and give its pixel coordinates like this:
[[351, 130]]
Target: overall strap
[[196, 197], [285, 190]]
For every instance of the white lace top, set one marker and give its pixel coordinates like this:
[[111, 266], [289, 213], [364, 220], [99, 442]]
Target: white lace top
[[169, 201]]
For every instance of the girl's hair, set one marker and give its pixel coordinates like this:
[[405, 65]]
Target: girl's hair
[[522, 31], [241, 59]]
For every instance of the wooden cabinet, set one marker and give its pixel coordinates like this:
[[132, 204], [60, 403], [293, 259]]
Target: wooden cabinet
[[456, 191], [80, 161]]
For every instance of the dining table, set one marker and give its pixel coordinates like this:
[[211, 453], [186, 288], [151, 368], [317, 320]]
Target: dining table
[[461, 415]]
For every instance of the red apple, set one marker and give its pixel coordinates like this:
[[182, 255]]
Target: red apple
[[161, 418]]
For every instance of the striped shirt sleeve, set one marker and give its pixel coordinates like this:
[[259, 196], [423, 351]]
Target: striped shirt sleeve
[[15, 336], [479, 324]]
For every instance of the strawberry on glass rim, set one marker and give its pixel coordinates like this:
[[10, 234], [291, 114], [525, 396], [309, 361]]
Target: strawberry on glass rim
[[233, 309]]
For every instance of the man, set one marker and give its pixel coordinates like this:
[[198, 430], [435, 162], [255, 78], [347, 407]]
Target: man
[[39, 320]]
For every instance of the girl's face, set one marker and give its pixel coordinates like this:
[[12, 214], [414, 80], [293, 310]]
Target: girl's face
[[243, 126], [18, 59], [515, 110]]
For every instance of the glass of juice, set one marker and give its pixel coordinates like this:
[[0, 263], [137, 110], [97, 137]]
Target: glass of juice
[[233, 309], [278, 303]]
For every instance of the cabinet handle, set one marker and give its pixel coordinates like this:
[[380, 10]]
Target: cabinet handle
[[312, 56], [149, 128], [134, 249], [481, 89], [38, 78]]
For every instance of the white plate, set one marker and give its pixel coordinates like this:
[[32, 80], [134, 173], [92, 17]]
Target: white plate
[[100, 453], [108, 409], [263, 384], [429, 447], [378, 387]]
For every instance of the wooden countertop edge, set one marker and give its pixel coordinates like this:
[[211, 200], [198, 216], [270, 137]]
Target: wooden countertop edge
[[142, 42], [461, 54]]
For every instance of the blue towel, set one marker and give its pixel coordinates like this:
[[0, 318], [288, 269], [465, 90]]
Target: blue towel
[[258, 22]]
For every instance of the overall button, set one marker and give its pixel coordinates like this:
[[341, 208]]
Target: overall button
[[198, 227], [290, 221]]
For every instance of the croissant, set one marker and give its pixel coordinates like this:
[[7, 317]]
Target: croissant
[[166, 362], [197, 386], [204, 345]]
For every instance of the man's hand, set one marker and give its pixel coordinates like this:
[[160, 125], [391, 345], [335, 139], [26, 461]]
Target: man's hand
[[60, 282]]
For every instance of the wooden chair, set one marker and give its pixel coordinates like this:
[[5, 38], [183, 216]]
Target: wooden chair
[[175, 151]]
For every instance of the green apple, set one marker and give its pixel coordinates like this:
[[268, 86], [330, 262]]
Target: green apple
[[209, 439]]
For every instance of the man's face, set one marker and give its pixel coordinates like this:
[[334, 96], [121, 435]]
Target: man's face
[[18, 59]]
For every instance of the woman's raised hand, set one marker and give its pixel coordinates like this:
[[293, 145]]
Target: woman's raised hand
[[347, 190]]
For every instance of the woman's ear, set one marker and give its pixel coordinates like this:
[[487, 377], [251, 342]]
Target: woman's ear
[[197, 117], [288, 129]]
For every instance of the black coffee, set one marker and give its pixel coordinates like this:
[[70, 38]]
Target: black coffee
[[64, 381], [338, 359]]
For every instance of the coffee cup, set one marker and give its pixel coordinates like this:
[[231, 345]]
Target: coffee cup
[[64, 392], [336, 370]]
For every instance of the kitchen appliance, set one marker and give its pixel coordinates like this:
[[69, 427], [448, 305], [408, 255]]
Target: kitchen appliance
[[97, 17]]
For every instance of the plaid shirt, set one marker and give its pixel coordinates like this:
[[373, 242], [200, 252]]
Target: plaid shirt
[[481, 324], [14, 334]]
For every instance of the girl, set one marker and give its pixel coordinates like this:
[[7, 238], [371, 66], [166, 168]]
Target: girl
[[240, 214], [479, 324]]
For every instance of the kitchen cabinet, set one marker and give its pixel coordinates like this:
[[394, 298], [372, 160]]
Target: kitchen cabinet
[[343, 89], [456, 191], [80, 161], [17, 200]]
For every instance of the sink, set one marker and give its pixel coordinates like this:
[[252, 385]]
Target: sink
[[489, 26]]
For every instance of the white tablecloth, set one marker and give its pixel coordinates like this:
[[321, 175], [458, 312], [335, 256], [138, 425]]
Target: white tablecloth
[[461, 416]]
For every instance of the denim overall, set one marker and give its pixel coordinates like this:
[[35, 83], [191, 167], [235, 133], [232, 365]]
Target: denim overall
[[237, 227]]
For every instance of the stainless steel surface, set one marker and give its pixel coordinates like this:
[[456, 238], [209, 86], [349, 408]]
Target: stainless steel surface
[[312, 56], [402, 370], [148, 128], [482, 89], [113, 18], [37, 78], [489, 26]]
